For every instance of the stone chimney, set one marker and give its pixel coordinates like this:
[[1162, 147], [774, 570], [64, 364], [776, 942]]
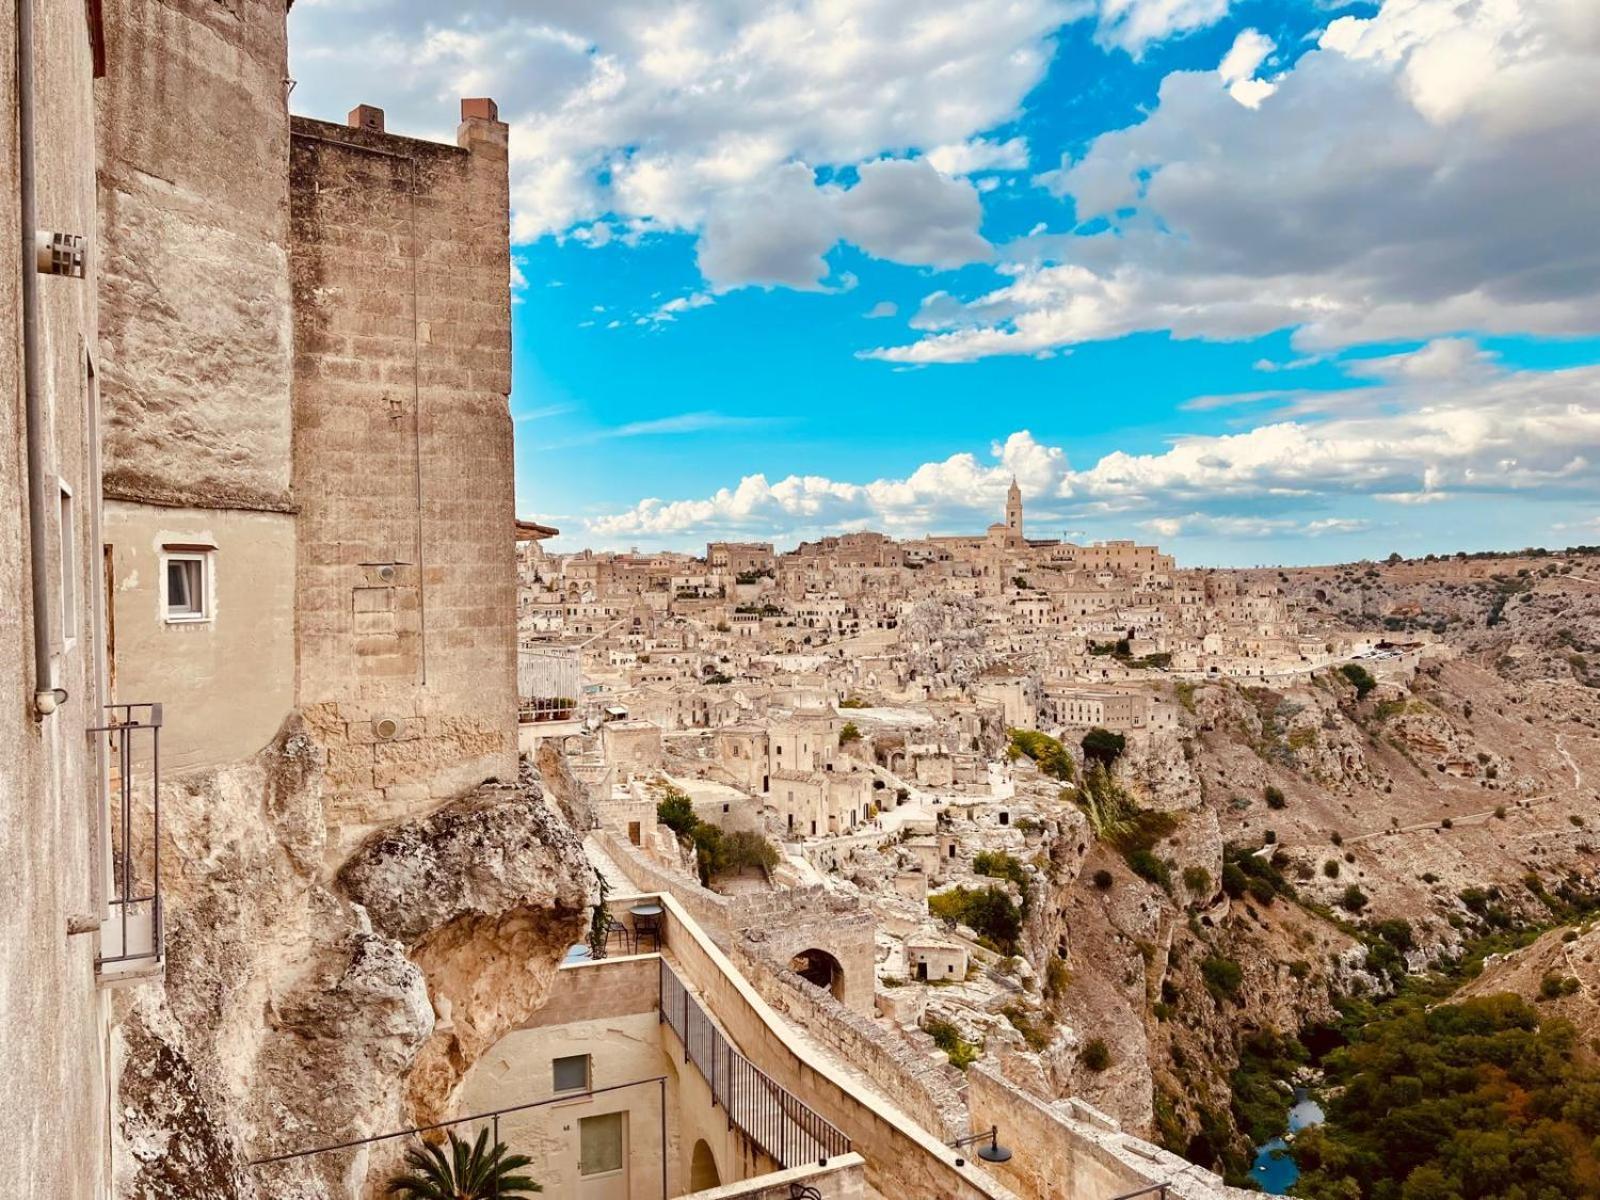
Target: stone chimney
[[365, 116]]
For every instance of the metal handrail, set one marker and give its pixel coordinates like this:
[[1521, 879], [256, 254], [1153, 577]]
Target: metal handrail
[[782, 1125], [492, 1114], [1158, 1190], [125, 722]]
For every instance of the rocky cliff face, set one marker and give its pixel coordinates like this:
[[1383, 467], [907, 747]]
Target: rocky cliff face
[[300, 1009], [1324, 842]]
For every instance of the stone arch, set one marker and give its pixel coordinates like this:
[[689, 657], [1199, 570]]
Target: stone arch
[[703, 1171], [821, 968]]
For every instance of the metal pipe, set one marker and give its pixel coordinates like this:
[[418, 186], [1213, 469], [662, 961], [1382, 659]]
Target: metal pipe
[[45, 696]]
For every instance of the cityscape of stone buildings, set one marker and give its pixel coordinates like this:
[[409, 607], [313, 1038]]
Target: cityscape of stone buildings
[[331, 800]]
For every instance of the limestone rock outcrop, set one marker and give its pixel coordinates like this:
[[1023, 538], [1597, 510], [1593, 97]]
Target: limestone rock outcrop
[[487, 893], [300, 1010], [501, 847]]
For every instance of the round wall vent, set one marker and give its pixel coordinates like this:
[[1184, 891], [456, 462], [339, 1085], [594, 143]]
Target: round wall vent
[[386, 574], [386, 728]]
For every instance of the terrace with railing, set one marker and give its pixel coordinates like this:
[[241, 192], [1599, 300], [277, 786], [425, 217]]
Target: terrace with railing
[[549, 690], [780, 1125]]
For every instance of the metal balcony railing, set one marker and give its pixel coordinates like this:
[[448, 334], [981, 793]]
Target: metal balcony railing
[[557, 708], [781, 1125], [133, 935]]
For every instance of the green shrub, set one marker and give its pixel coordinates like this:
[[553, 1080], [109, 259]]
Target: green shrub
[[1197, 881], [1553, 986], [1103, 746], [997, 864], [1275, 797], [1475, 1099], [676, 811], [1234, 881], [1057, 977], [947, 1037], [1146, 865], [1103, 879], [1034, 1030], [1353, 900], [1223, 976], [1096, 1055], [707, 839], [1359, 678], [1331, 868], [1048, 754], [850, 733], [989, 911]]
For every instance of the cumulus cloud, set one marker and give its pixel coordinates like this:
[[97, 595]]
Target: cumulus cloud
[[1410, 439], [1239, 65], [906, 211], [1422, 171], [980, 154], [635, 117], [1135, 24]]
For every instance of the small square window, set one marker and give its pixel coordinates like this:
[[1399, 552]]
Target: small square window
[[571, 1074], [186, 581]]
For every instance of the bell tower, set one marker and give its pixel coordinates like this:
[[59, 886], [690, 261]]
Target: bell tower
[[1014, 512]]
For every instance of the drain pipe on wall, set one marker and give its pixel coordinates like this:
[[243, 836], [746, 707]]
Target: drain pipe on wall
[[46, 697]]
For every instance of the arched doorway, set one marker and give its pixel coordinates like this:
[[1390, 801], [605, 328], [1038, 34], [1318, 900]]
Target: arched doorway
[[703, 1172], [821, 968]]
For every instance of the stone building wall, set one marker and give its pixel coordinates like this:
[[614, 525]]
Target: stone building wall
[[784, 923], [924, 1084], [406, 587], [1069, 1148], [195, 340], [53, 1020], [194, 135]]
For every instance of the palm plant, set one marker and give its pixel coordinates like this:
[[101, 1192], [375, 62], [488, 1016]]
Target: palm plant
[[466, 1172]]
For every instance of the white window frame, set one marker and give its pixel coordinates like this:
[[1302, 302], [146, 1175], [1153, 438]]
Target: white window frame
[[204, 558]]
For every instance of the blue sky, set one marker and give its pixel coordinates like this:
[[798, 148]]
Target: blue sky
[[1272, 281]]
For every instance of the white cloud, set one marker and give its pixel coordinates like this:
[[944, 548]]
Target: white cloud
[[1412, 439], [543, 413], [678, 423], [1208, 524], [778, 231], [907, 212], [1440, 359], [1427, 170], [1249, 51], [774, 233], [883, 308], [1135, 24], [980, 154], [670, 310], [635, 117]]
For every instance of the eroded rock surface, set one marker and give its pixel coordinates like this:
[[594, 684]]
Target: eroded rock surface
[[300, 1011]]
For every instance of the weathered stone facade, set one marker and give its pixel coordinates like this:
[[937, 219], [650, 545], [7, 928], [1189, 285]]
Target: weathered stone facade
[[54, 1053], [406, 579], [344, 660]]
